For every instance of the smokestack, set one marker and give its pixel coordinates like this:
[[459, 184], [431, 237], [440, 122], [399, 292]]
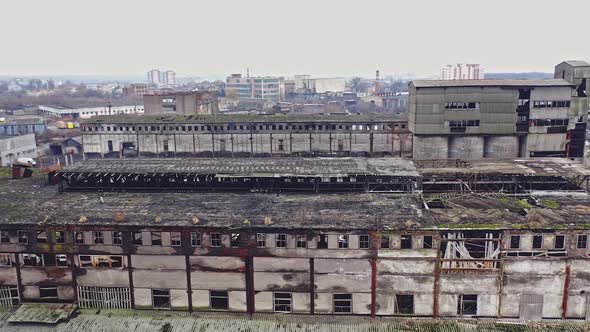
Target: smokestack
[[377, 76], [377, 82]]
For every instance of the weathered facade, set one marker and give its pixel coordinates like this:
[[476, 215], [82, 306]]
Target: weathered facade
[[461, 253], [181, 102], [247, 135], [473, 119]]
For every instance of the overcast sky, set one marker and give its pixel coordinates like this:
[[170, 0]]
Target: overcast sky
[[275, 37]]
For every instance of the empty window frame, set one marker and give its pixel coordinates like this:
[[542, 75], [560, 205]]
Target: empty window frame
[[385, 242], [41, 236], [467, 305], [551, 103], [98, 237], [235, 240], [195, 239], [4, 237], [342, 303], [560, 242], [261, 240], [160, 298], [101, 261], [6, 259], [301, 241], [156, 238], [78, 237], [22, 237], [45, 260], [404, 304], [537, 241], [60, 236], [281, 241], [342, 241], [219, 300], [582, 241], [48, 293], [117, 238], [322, 241], [461, 105], [427, 242], [514, 241], [406, 242], [175, 240], [9, 296], [364, 241], [282, 302], [215, 240], [137, 238], [463, 123]]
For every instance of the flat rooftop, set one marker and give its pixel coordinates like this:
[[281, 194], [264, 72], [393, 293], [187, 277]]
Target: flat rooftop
[[490, 83], [246, 118], [252, 167]]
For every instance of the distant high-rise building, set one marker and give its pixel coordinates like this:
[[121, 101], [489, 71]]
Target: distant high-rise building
[[272, 88], [160, 77], [462, 71]]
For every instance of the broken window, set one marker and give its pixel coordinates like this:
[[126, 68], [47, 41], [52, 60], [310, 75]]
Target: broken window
[[101, 261], [195, 239], [156, 238], [175, 239], [60, 237], [41, 237], [282, 302], [9, 296], [98, 237], [235, 240], [78, 237], [364, 241], [322, 241], [165, 145], [342, 241], [45, 260], [404, 304], [5, 260], [427, 242], [281, 146], [406, 242], [117, 238], [160, 298], [537, 241], [4, 237], [48, 292], [467, 305], [385, 242], [559, 241], [138, 238], [32, 260], [582, 242], [470, 250], [216, 240], [219, 300], [514, 241], [261, 240], [342, 303], [301, 241], [281, 241], [340, 144], [22, 237]]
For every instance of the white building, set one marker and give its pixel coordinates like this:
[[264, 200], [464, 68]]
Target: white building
[[13, 147], [154, 77], [88, 112], [161, 78], [462, 71]]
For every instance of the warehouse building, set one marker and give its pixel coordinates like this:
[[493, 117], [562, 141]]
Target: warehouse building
[[379, 252], [247, 135]]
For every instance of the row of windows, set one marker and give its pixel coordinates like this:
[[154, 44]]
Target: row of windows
[[559, 243], [186, 128], [113, 111], [551, 103], [548, 122], [463, 123], [461, 105]]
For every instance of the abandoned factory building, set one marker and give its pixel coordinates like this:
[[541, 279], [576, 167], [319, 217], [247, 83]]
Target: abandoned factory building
[[247, 135], [374, 236]]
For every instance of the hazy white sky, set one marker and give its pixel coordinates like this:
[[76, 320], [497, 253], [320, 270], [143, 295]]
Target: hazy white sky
[[320, 37]]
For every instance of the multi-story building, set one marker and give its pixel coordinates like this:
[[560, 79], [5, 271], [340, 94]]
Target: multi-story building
[[169, 77], [88, 112], [154, 76], [492, 118], [248, 135], [255, 87], [462, 71], [136, 89], [181, 102], [378, 252], [159, 77]]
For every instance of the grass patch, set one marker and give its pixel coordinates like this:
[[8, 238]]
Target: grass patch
[[549, 203], [5, 172], [470, 226]]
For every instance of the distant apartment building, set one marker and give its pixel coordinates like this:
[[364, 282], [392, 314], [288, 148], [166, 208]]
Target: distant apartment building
[[306, 84], [159, 77], [88, 112], [462, 71], [255, 87], [136, 89], [472, 119], [181, 102]]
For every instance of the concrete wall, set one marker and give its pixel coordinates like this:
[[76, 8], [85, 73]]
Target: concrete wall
[[14, 147]]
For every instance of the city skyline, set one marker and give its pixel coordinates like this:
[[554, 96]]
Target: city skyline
[[398, 38]]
